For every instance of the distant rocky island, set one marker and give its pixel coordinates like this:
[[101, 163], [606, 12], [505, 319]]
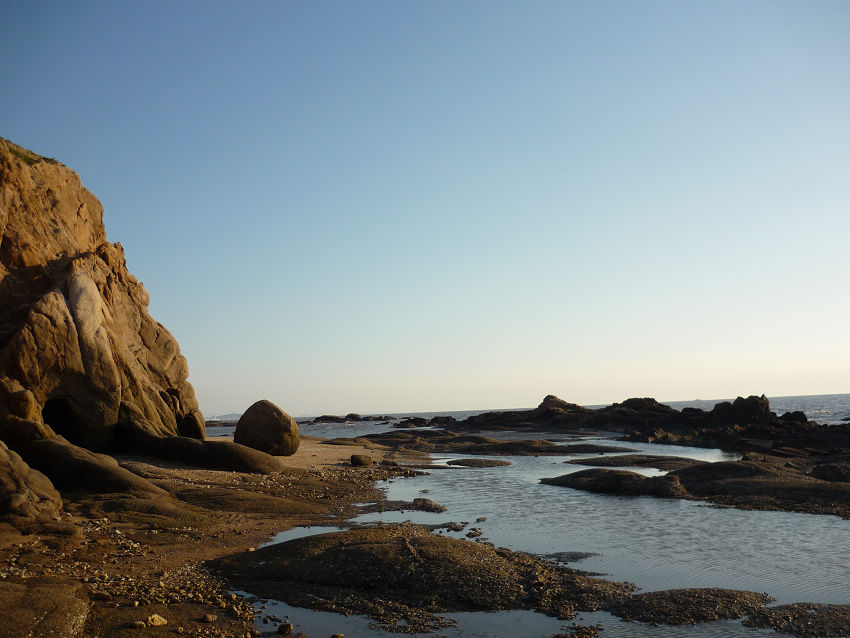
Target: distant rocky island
[[117, 512]]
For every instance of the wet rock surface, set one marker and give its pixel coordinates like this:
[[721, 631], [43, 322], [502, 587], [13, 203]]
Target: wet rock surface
[[402, 576], [478, 462], [444, 441], [688, 606], [666, 463], [808, 620], [623, 482]]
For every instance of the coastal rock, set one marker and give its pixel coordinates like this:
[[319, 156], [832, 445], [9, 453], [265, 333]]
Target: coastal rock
[[688, 606], [808, 620], [666, 463], [76, 341], [361, 460], [74, 468], [604, 481], [25, 494], [266, 427], [478, 462], [401, 575]]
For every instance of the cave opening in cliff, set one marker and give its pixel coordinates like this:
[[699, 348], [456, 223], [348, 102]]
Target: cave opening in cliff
[[57, 413]]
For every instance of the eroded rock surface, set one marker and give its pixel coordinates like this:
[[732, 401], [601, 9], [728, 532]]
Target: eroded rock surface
[[26, 494], [79, 353]]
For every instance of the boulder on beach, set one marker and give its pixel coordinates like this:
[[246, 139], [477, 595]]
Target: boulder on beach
[[266, 427], [76, 341]]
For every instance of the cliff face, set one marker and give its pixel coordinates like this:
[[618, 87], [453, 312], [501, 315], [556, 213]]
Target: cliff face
[[79, 354]]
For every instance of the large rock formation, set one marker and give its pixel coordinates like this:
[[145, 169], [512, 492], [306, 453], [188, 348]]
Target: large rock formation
[[79, 354]]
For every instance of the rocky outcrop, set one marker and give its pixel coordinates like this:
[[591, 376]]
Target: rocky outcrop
[[79, 354], [26, 495], [403, 575], [605, 481], [266, 427]]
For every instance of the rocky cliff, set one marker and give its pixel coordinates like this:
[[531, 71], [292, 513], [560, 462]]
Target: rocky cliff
[[80, 356]]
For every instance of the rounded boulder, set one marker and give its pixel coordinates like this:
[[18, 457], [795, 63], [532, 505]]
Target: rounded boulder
[[266, 427]]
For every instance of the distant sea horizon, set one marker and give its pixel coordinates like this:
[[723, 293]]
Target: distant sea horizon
[[823, 408]]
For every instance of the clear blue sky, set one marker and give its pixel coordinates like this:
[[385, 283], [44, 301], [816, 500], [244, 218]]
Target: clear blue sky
[[393, 206]]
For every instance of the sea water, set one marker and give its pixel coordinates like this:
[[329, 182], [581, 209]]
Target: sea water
[[654, 543]]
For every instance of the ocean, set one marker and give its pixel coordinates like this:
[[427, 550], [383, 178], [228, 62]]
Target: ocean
[[654, 543]]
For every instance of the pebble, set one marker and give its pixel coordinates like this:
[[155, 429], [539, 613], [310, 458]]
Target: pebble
[[285, 629], [155, 620]]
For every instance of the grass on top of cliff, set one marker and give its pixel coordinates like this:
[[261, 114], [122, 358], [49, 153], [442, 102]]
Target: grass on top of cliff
[[27, 156]]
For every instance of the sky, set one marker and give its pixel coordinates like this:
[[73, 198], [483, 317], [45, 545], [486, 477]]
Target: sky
[[387, 206]]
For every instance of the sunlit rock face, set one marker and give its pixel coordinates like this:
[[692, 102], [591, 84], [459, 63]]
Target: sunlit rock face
[[79, 354]]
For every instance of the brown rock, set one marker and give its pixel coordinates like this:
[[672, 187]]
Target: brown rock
[[25, 494], [76, 341], [43, 606], [360, 460], [266, 427], [155, 620]]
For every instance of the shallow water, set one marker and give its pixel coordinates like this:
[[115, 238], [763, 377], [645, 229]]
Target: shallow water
[[654, 543]]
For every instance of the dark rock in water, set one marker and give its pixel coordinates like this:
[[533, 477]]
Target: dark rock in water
[[329, 418], [568, 557], [426, 505], [451, 442], [794, 417], [592, 448], [666, 463], [688, 606], [742, 411], [266, 427], [353, 416], [809, 620], [604, 481], [404, 573], [359, 460], [26, 495], [412, 422], [442, 421], [644, 404], [553, 406], [76, 341], [833, 472], [479, 462]]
